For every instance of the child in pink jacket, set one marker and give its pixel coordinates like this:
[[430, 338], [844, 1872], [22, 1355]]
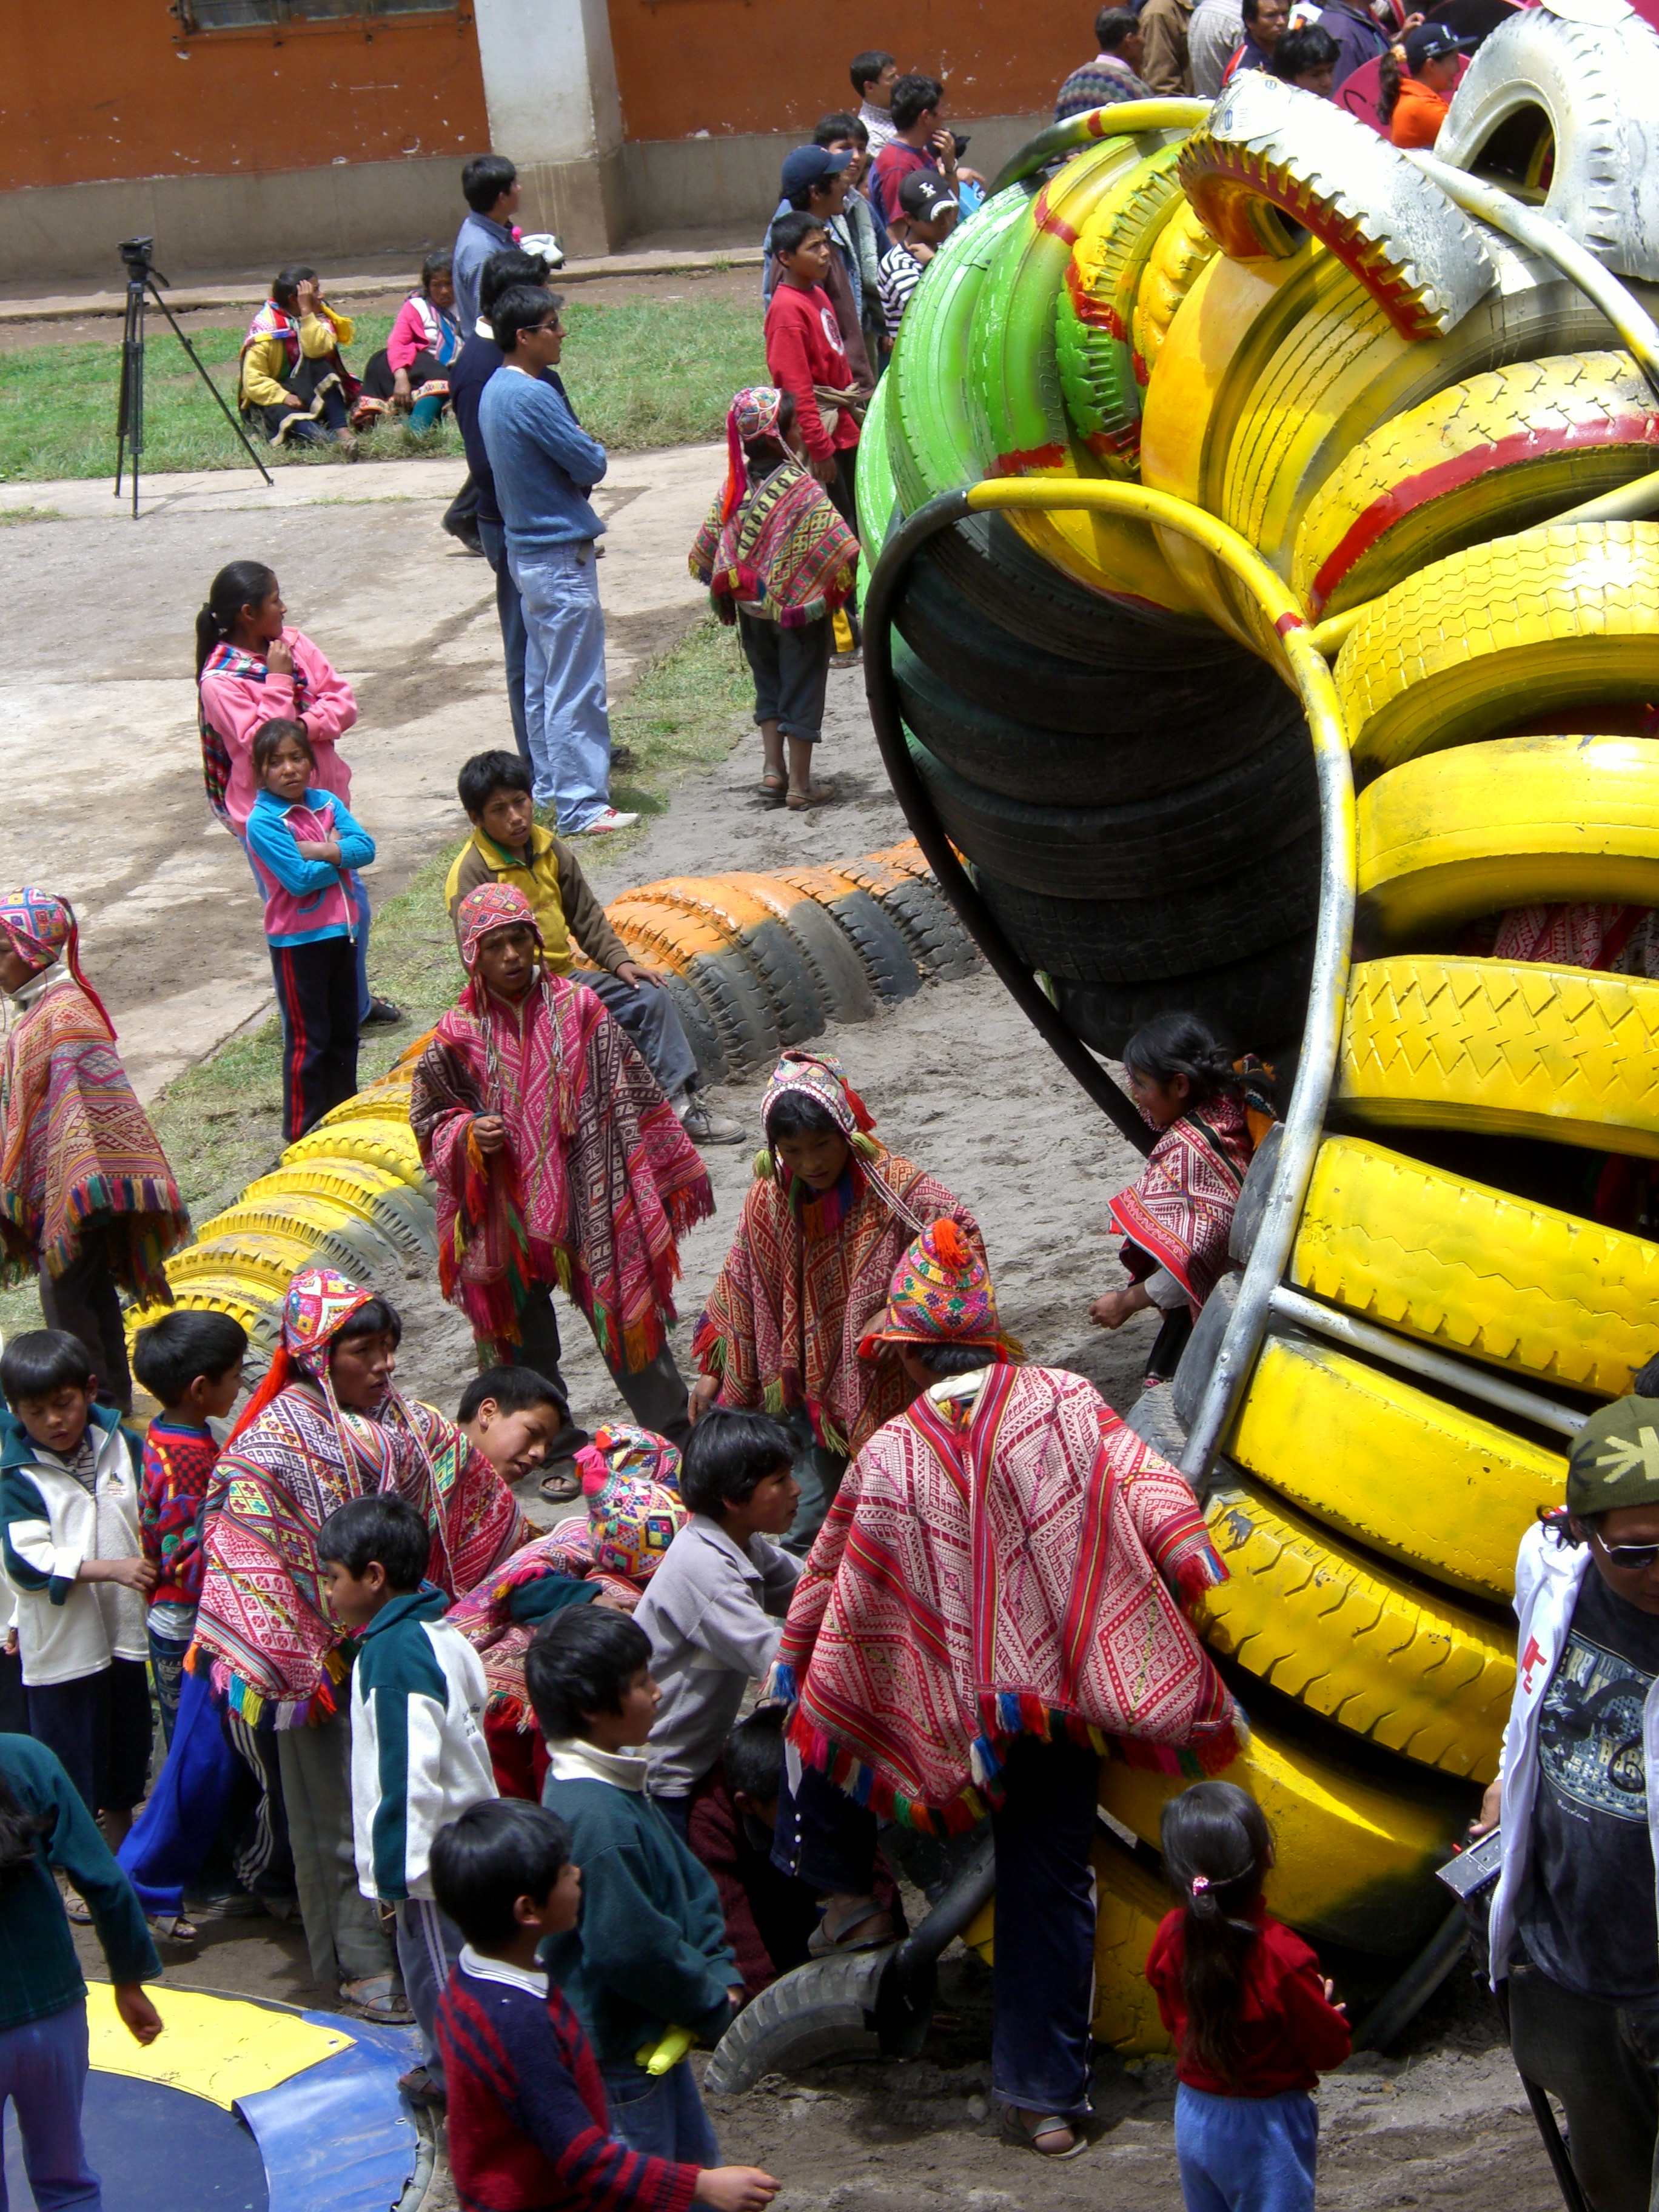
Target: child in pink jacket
[[251, 668]]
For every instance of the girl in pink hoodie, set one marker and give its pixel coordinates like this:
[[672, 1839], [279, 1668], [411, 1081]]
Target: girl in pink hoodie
[[251, 668]]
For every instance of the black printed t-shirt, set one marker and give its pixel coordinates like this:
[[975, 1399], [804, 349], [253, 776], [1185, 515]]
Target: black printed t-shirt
[[1589, 1919]]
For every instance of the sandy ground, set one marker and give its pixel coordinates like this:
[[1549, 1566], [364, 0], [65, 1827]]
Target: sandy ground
[[957, 1080]]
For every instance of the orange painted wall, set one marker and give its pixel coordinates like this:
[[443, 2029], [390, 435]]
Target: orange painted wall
[[95, 90], [744, 66]]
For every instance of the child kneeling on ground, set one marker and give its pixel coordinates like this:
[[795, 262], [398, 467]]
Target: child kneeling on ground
[[778, 561], [527, 2125], [418, 1754], [652, 1957], [1252, 2017]]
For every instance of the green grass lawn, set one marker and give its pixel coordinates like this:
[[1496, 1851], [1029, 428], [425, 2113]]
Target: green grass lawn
[[653, 373], [221, 1122]]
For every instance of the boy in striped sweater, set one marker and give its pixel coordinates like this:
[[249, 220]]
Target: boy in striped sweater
[[528, 2130], [418, 1754]]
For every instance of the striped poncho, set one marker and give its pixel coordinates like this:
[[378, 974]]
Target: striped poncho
[[783, 553]]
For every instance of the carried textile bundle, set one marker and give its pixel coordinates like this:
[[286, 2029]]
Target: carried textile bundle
[[296, 1455], [775, 546], [77, 1152], [597, 1181], [808, 1274]]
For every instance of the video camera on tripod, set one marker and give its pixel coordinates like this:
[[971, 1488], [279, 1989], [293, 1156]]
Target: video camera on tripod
[[144, 283]]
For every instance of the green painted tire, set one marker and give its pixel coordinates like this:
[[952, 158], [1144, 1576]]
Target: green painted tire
[[1093, 313]]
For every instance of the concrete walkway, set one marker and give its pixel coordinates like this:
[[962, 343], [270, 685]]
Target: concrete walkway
[[100, 781]]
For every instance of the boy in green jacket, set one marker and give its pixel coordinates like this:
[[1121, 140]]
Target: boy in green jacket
[[651, 1953]]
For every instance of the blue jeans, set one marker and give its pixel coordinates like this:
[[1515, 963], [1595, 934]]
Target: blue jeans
[[1246, 2153], [509, 613], [567, 716], [662, 2116], [43, 2070]]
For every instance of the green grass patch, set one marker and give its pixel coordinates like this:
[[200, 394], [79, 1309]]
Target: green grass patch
[[221, 1122], [648, 373]]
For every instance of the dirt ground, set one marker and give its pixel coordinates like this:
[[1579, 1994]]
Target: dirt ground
[[958, 1081]]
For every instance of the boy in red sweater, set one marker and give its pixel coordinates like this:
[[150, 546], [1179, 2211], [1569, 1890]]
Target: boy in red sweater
[[528, 2129], [803, 351]]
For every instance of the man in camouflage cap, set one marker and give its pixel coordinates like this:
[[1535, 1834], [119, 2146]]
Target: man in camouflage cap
[[1574, 1929]]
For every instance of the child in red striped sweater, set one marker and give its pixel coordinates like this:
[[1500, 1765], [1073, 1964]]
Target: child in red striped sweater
[[528, 2129]]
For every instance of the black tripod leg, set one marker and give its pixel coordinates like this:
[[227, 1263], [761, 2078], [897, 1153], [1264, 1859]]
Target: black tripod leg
[[126, 416], [224, 406]]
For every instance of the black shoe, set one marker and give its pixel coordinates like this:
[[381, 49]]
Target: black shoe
[[381, 1014], [467, 532]]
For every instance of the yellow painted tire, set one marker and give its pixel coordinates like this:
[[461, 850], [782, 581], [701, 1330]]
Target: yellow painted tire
[[1355, 1863], [245, 1302], [1475, 1271], [1096, 307], [1514, 1049], [1490, 455], [1551, 621], [1183, 250], [263, 1260], [1347, 1638], [378, 1143], [1514, 822], [1442, 1491], [379, 1102]]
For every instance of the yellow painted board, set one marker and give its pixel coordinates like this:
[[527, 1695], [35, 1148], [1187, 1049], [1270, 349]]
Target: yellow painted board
[[1355, 1861], [1424, 1483], [1514, 1047], [213, 2047], [1475, 1271], [1515, 822], [1340, 1633]]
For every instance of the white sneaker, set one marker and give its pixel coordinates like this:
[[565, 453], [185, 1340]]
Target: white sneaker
[[603, 824]]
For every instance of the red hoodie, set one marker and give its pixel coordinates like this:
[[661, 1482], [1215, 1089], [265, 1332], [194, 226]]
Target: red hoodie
[[804, 348], [1289, 2034]]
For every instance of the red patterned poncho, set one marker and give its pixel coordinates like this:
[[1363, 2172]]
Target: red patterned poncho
[[598, 1180], [998, 1565], [1182, 1209]]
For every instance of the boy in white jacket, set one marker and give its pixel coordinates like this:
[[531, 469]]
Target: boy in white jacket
[[418, 1754], [1575, 1923], [72, 1554]]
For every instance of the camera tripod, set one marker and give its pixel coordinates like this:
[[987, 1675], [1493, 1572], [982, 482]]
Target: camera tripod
[[142, 283]]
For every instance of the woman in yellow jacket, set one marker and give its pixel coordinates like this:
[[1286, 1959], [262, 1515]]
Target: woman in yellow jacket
[[293, 381]]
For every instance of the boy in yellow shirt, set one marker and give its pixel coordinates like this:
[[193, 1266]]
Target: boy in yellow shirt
[[508, 846]]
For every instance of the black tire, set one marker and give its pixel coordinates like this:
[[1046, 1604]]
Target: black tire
[[1183, 839], [1265, 900], [701, 1033], [407, 1219], [880, 944], [1254, 1004], [822, 2010], [996, 572], [1021, 760], [778, 962], [943, 949], [980, 657], [735, 1003], [844, 987]]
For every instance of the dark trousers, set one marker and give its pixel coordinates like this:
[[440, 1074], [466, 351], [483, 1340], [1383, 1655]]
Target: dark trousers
[[1044, 1960], [317, 999], [791, 669], [655, 1393], [100, 1727], [509, 613], [818, 1471], [317, 408], [84, 1301], [1602, 2062], [822, 1838], [461, 515], [655, 1029]]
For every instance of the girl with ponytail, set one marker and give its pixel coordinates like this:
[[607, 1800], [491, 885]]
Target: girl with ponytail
[[1251, 2014], [1178, 1215]]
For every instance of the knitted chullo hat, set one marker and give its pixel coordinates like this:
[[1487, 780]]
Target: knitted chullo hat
[[630, 1479], [40, 928], [941, 1293], [1614, 1460]]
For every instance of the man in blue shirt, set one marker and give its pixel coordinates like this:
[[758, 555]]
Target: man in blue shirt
[[490, 184], [545, 464]]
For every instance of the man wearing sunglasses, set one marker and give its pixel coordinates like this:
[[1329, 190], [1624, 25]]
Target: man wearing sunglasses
[[1574, 1930]]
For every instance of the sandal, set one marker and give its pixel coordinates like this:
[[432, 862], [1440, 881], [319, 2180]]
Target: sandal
[[172, 1928], [561, 1485], [817, 794], [863, 1913], [423, 2088], [378, 1999], [1028, 2134], [75, 1906], [774, 788]]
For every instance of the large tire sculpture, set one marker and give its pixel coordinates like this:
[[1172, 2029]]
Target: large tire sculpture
[[1274, 321]]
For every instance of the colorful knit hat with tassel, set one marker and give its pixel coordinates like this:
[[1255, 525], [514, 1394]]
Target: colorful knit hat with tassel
[[754, 413], [492, 907], [941, 1293], [317, 1305], [630, 1479], [40, 928]]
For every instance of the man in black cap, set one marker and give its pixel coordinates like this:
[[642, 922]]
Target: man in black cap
[[1574, 1929], [927, 214], [1415, 101]]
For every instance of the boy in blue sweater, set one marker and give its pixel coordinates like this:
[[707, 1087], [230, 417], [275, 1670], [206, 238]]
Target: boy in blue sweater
[[545, 464], [652, 1954], [418, 1754]]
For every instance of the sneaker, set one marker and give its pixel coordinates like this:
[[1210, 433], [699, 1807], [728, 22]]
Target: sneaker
[[705, 1126], [602, 824]]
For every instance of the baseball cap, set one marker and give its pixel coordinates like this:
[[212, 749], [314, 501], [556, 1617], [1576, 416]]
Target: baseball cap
[[1430, 41], [811, 164], [1614, 1460], [922, 197]]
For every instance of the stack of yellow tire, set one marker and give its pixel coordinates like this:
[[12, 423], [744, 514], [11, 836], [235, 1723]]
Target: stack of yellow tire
[[1276, 316]]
